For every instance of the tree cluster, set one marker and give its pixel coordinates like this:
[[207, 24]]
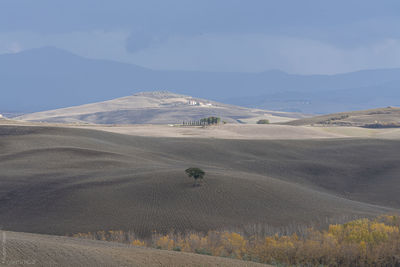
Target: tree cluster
[[203, 122], [263, 121], [360, 243]]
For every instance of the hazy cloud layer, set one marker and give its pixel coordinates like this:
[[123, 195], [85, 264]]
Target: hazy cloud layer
[[255, 53], [309, 36]]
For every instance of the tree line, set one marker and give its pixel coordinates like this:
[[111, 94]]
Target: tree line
[[203, 122], [361, 242]]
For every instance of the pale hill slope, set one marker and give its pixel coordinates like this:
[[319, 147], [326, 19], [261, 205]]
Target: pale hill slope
[[229, 131], [157, 108], [363, 118]]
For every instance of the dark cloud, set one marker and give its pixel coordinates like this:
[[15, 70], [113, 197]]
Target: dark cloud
[[312, 36], [340, 21]]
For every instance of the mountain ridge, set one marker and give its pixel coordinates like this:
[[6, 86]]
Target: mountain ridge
[[30, 77]]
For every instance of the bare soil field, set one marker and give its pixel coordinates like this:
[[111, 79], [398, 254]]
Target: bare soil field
[[23, 249], [57, 180]]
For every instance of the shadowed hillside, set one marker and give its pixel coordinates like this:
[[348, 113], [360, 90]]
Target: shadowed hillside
[[52, 178]]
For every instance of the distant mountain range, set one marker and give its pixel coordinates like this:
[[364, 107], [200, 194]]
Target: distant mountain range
[[156, 108], [49, 78]]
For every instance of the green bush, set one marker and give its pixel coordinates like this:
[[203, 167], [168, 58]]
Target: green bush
[[202, 251], [263, 121]]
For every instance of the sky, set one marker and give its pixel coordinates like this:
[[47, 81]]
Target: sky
[[300, 37]]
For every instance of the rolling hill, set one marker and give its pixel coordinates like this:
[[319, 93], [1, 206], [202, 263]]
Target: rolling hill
[[155, 108], [373, 118], [58, 180], [50, 78]]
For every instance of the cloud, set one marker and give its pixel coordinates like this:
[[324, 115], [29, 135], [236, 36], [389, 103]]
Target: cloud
[[215, 51], [10, 47], [258, 52], [309, 36]]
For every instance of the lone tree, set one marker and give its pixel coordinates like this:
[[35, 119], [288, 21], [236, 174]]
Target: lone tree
[[196, 173]]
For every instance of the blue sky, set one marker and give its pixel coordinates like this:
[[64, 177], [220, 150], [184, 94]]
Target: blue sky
[[305, 37]]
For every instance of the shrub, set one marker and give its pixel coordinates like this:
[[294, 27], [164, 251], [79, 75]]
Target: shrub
[[202, 251], [378, 125], [138, 243], [263, 122]]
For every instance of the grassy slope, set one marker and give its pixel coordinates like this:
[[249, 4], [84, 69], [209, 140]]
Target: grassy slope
[[58, 181], [353, 118]]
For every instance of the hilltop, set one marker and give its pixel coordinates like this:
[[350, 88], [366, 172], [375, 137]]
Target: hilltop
[[158, 107]]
